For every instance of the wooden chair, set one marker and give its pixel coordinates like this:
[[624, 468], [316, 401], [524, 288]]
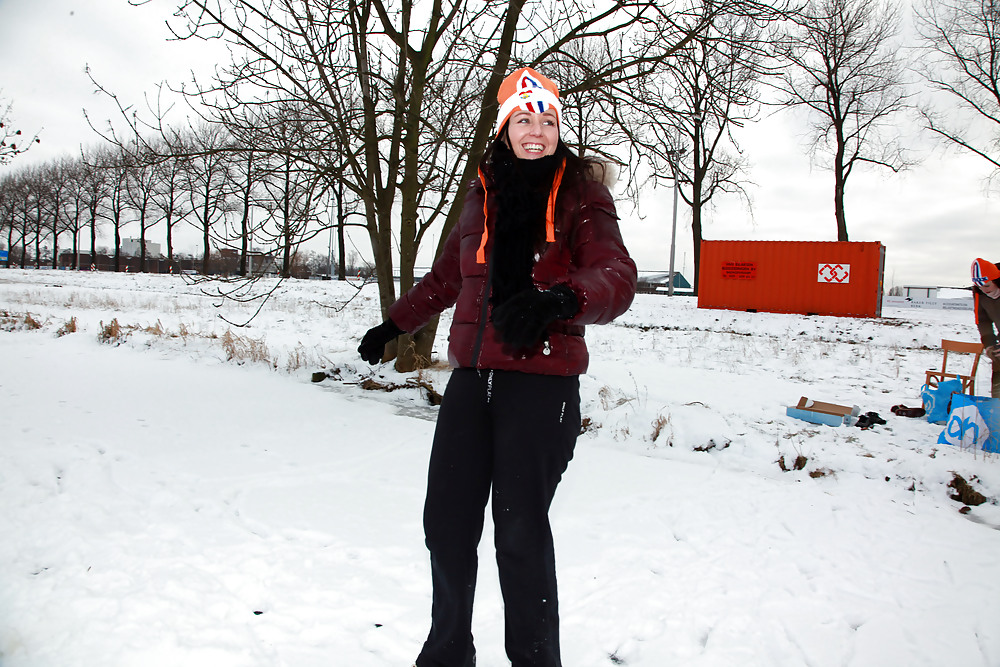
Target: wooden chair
[[959, 347]]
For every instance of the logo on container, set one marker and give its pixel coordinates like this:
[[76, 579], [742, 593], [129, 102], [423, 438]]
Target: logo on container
[[834, 273]]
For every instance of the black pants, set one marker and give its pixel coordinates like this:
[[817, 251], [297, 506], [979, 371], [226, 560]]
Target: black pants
[[513, 433]]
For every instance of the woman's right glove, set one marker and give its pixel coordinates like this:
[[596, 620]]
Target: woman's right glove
[[522, 319], [372, 347]]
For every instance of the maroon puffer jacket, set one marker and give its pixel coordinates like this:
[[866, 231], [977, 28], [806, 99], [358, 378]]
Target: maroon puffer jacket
[[588, 256]]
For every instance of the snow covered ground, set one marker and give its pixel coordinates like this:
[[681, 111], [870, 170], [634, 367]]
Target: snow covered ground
[[181, 493]]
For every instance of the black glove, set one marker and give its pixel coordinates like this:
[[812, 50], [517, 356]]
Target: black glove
[[372, 346], [522, 319]]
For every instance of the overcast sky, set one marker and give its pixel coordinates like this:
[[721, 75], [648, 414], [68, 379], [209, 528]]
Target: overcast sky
[[934, 219]]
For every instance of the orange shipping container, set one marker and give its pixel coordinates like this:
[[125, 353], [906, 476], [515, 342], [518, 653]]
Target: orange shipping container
[[809, 277]]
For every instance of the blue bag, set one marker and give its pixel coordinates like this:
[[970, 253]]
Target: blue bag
[[937, 400], [973, 423]]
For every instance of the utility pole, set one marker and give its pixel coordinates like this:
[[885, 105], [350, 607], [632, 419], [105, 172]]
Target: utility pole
[[673, 156]]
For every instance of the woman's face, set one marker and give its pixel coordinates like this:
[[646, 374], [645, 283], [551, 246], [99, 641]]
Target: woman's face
[[533, 135], [990, 289]]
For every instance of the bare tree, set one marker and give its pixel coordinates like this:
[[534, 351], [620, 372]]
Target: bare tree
[[363, 76], [75, 205], [96, 185], [342, 208], [961, 42], [58, 176], [9, 198], [683, 131], [209, 183], [37, 193], [20, 193], [846, 70], [247, 169], [273, 165], [115, 162], [140, 190], [289, 192], [168, 194]]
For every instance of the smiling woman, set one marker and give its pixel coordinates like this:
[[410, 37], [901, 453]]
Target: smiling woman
[[535, 256]]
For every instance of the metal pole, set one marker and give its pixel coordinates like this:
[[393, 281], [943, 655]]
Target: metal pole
[[673, 236], [329, 253]]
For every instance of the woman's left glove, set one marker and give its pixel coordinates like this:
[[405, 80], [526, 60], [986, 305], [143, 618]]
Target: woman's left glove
[[522, 319], [373, 343]]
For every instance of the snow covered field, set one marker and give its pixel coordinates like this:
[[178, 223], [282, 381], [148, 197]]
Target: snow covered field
[[181, 493]]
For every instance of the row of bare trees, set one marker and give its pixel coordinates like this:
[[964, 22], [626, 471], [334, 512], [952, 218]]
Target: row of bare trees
[[239, 199]]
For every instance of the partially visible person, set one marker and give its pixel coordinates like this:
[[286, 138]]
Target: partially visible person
[[986, 277]]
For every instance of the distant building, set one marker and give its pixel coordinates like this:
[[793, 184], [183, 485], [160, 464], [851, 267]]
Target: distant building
[[917, 292], [133, 248], [659, 283], [916, 296], [258, 263]]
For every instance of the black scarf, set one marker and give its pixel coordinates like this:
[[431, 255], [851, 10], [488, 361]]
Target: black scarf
[[522, 190]]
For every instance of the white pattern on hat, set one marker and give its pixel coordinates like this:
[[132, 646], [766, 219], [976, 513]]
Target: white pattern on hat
[[532, 92]]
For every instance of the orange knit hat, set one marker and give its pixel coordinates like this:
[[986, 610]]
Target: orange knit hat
[[983, 272], [528, 90]]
